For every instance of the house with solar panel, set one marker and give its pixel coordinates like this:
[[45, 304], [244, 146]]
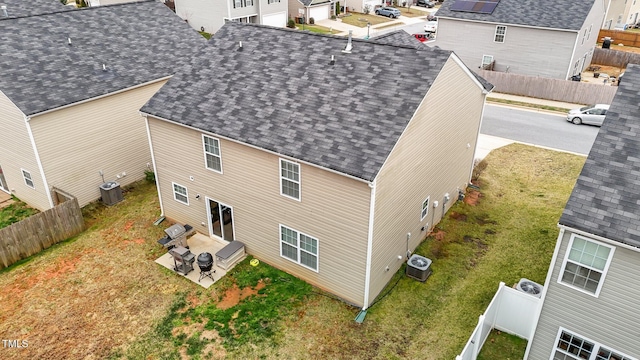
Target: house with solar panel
[[308, 156], [69, 99], [548, 38], [590, 299]]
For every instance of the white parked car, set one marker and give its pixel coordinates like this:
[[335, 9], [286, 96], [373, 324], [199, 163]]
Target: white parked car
[[592, 114], [431, 27]]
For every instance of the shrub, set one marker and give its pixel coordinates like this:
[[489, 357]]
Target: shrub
[[312, 21], [150, 176], [337, 8], [291, 24], [367, 9]]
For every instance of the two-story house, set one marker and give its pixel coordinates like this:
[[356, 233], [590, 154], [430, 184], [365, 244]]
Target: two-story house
[[72, 84], [316, 9], [210, 15], [549, 38], [621, 14], [312, 151], [590, 299], [13, 9]]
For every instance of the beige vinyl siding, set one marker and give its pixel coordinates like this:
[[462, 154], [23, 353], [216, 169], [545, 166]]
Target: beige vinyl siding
[[16, 152], [527, 51], [106, 134], [611, 319], [333, 209], [431, 158]]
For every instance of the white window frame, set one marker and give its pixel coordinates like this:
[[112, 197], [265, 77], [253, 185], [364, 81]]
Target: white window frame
[[603, 273], [596, 347], [589, 33], [299, 249], [282, 179], [483, 63], [219, 155], [425, 209], [497, 34], [26, 176], [584, 36], [186, 193]]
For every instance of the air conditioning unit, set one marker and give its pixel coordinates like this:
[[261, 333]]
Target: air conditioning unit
[[529, 287], [418, 267], [111, 193]]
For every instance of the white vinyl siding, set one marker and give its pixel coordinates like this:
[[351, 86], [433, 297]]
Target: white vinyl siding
[[570, 346], [27, 178], [299, 248], [501, 33], [290, 179], [180, 193], [585, 264], [425, 208], [212, 157]]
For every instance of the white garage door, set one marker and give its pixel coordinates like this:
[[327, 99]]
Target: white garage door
[[319, 13], [278, 20]]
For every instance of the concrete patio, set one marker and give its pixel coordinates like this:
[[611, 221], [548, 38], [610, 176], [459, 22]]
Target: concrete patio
[[198, 244], [5, 199]]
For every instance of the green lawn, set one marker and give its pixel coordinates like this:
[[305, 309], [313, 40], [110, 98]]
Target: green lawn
[[15, 212], [503, 346], [127, 307], [361, 20], [316, 29]]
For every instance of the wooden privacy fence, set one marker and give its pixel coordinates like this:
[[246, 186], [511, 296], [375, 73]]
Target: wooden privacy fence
[[38, 232], [627, 38], [551, 89], [610, 57]]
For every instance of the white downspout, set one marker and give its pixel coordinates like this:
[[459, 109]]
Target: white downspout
[[547, 281], [153, 161], [367, 277], [40, 168]]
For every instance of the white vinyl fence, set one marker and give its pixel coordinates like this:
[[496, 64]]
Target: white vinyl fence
[[510, 311]]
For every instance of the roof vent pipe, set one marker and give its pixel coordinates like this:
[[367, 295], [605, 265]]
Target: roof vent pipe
[[4, 10], [69, 40], [240, 46], [104, 67], [347, 49], [333, 60]]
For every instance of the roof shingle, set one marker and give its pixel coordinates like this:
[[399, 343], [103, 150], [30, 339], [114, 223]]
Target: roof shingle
[[606, 198], [280, 93], [137, 42], [556, 14]]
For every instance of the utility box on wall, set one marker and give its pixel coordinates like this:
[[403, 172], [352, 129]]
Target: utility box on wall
[[111, 193]]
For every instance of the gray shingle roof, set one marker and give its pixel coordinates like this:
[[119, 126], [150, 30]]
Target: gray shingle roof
[[138, 42], [19, 8], [606, 198], [314, 2], [281, 94], [398, 37], [556, 14]]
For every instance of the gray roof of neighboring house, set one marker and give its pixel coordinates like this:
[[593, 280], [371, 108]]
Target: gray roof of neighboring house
[[138, 42], [606, 198], [556, 14], [314, 2], [280, 93], [20, 8], [398, 37]]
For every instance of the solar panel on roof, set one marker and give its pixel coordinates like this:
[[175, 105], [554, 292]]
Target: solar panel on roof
[[475, 6]]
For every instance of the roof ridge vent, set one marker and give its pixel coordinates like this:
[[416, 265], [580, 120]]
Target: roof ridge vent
[[4, 10], [349, 46]]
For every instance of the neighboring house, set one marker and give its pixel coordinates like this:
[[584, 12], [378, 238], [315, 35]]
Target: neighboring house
[[323, 160], [316, 9], [621, 14], [359, 6], [72, 84], [17, 8], [590, 299], [210, 15], [107, 2], [549, 38]]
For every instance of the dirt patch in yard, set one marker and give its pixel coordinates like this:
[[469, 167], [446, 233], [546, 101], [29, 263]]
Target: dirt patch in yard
[[234, 295], [472, 197], [457, 216]]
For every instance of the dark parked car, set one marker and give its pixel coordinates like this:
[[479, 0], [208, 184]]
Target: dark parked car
[[425, 3], [388, 11]]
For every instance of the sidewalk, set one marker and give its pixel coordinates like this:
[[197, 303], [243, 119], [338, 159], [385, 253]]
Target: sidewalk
[[529, 100]]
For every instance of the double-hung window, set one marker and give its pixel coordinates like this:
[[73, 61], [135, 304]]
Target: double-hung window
[[585, 264], [290, 179], [570, 346], [180, 194], [425, 208], [212, 157], [299, 248], [501, 32], [27, 179]]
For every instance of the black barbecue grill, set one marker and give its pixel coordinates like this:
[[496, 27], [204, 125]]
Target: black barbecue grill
[[205, 263], [182, 259]]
